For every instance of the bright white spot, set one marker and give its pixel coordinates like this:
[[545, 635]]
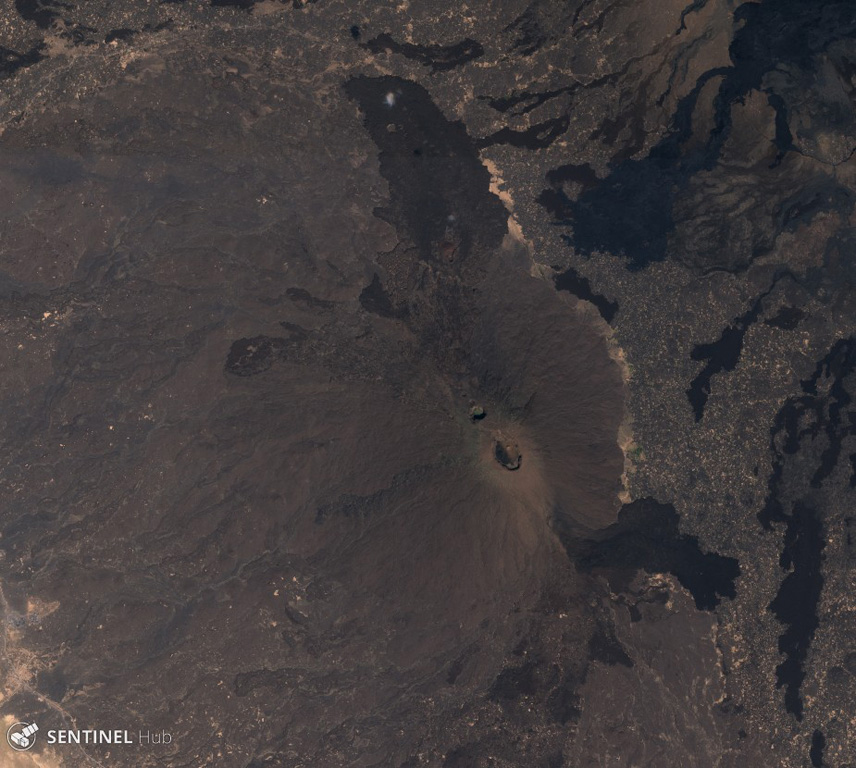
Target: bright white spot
[[389, 99]]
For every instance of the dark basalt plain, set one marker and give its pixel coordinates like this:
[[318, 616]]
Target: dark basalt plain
[[398, 385]]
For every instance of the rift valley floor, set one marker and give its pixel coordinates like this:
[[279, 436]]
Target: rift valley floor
[[418, 384]]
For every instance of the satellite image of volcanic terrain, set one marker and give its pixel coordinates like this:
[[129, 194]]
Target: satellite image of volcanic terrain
[[423, 384]]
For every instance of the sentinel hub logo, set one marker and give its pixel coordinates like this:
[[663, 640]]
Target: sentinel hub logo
[[90, 736], [22, 736]]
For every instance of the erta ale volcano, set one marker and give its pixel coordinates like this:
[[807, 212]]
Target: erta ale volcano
[[415, 386]]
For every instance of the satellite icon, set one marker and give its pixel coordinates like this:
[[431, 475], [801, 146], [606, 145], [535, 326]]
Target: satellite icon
[[22, 736]]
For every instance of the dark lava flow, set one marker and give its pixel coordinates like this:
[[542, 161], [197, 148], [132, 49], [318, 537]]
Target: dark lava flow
[[647, 536], [787, 318], [805, 442], [795, 604], [11, 61], [724, 354], [641, 192], [439, 57], [576, 284], [433, 169], [818, 744]]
